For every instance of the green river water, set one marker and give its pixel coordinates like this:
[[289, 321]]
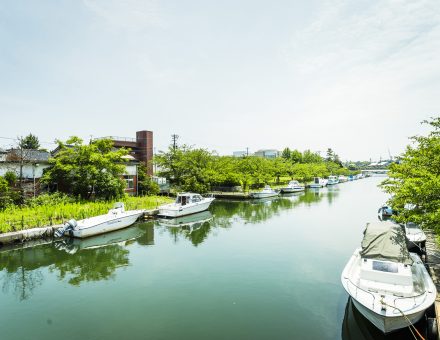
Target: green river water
[[267, 269]]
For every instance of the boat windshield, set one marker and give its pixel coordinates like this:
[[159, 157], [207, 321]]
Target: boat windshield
[[388, 267], [317, 180]]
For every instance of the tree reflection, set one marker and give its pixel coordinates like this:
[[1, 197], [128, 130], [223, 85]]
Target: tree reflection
[[91, 259]]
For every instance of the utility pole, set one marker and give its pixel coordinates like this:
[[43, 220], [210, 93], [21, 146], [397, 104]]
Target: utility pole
[[174, 138], [247, 151]]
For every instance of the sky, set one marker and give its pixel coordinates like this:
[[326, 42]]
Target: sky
[[355, 76]]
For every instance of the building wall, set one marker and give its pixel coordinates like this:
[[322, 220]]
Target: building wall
[[29, 171]]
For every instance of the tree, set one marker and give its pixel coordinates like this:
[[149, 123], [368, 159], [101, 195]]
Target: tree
[[330, 155], [86, 170], [146, 185], [286, 154], [414, 183], [296, 156], [311, 157], [30, 142]]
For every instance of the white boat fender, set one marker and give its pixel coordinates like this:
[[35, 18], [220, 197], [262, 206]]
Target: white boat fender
[[69, 225]]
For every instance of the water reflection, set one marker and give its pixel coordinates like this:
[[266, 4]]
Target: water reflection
[[356, 327], [91, 259], [195, 227]]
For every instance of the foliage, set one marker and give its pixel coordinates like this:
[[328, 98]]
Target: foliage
[[57, 208], [86, 170], [415, 181], [11, 178], [29, 142], [286, 154], [146, 185], [5, 197]]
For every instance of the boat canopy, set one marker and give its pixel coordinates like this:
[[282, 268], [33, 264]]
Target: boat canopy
[[385, 241]]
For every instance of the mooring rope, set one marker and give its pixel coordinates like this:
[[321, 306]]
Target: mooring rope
[[410, 325]]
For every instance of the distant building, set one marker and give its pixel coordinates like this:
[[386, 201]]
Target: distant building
[[239, 153], [267, 153]]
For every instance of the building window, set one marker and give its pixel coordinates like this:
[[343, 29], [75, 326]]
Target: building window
[[129, 181]]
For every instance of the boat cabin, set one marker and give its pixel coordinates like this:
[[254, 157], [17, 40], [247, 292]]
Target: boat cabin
[[187, 198]]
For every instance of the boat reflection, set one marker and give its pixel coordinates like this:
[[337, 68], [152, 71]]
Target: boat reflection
[[356, 327], [120, 237], [23, 269], [188, 222]]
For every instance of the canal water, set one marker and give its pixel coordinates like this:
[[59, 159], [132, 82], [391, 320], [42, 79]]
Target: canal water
[[267, 269]]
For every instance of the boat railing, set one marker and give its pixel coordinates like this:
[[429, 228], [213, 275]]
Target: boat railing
[[404, 300], [363, 291]]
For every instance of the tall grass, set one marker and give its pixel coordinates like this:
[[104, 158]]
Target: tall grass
[[18, 218]]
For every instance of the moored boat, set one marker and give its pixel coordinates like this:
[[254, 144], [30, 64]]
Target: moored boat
[[185, 204], [342, 179], [266, 192], [318, 182], [415, 236], [332, 180], [389, 285], [116, 218], [385, 212], [293, 186]]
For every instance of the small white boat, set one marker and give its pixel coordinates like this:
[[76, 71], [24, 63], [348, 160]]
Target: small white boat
[[293, 186], [266, 192], [342, 179], [318, 182], [185, 204], [385, 212], [116, 218], [415, 236], [389, 285], [332, 180]]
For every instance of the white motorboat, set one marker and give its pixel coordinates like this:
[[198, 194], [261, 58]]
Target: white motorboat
[[389, 285], [342, 179], [318, 182], [415, 236], [185, 204], [293, 186], [116, 218], [332, 180], [266, 192]]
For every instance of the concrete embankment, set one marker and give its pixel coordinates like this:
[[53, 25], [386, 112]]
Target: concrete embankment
[[433, 260], [26, 235]]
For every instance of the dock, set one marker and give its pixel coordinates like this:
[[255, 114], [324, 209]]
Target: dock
[[230, 195], [433, 260]]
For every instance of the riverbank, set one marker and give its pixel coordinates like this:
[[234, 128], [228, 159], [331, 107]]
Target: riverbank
[[15, 219]]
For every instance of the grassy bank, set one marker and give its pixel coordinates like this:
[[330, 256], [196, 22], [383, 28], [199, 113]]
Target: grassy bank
[[17, 218]]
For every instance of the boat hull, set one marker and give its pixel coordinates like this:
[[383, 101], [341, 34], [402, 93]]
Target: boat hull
[[116, 223], [177, 211], [262, 195], [290, 190], [384, 323]]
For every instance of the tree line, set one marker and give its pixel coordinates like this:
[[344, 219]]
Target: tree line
[[197, 169]]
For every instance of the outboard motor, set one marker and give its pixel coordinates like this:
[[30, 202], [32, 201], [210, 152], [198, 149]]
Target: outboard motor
[[69, 225]]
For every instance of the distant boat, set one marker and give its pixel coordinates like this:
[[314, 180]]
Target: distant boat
[[342, 179], [266, 192], [385, 212], [318, 182], [389, 285], [185, 204], [293, 186], [332, 180], [116, 218]]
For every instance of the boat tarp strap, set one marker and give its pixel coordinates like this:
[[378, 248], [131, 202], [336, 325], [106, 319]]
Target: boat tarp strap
[[385, 241]]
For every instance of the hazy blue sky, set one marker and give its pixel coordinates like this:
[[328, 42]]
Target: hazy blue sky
[[357, 76]]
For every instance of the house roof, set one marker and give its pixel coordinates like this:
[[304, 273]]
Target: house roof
[[28, 155]]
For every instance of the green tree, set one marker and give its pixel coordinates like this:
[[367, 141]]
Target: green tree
[[286, 154], [415, 181], [296, 156], [330, 155], [86, 170], [146, 185], [30, 142], [311, 157], [5, 194]]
